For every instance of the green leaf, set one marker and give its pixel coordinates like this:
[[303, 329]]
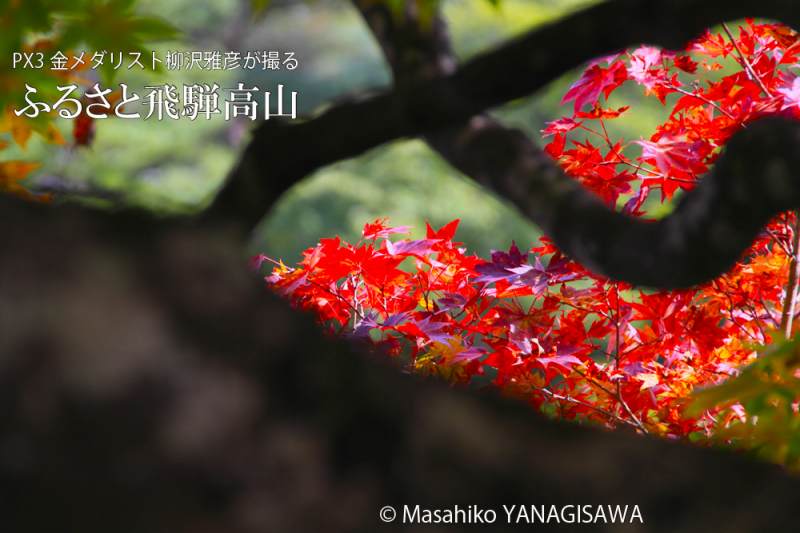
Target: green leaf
[[114, 27], [771, 375]]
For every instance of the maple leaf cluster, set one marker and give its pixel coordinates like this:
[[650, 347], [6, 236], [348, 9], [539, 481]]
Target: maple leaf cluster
[[538, 325]]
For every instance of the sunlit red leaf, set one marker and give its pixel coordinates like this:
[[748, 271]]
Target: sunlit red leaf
[[596, 80]]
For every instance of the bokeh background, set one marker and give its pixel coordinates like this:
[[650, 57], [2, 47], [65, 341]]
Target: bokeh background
[[173, 166]]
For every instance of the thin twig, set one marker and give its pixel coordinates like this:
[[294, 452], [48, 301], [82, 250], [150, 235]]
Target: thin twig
[[576, 401], [630, 412], [747, 66], [778, 241], [790, 298], [634, 419], [702, 99]]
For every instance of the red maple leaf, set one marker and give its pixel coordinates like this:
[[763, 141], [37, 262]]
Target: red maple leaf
[[596, 80]]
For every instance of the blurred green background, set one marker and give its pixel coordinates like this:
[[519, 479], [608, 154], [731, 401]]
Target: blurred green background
[[177, 165]]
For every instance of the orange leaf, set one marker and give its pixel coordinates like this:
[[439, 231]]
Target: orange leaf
[[19, 127], [14, 171], [53, 135]]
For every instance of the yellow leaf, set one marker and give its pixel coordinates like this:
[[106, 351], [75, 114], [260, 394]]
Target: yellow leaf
[[425, 303], [648, 380], [19, 127]]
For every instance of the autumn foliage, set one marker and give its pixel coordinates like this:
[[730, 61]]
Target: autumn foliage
[[539, 326], [71, 27]]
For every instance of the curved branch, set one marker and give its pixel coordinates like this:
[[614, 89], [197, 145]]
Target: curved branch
[[701, 239], [280, 155], [146, 384], [708, 231], [704, 236]]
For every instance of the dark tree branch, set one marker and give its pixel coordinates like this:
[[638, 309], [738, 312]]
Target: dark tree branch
[[704, 236], [148, 384], [138, 395], [279, 155]]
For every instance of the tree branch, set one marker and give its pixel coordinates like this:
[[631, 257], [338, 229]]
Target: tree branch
[[148, 384], [700, 240]]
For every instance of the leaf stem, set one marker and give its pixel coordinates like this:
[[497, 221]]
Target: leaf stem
[[576, 401], [747, 66], [702, 99], [790, 298]]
